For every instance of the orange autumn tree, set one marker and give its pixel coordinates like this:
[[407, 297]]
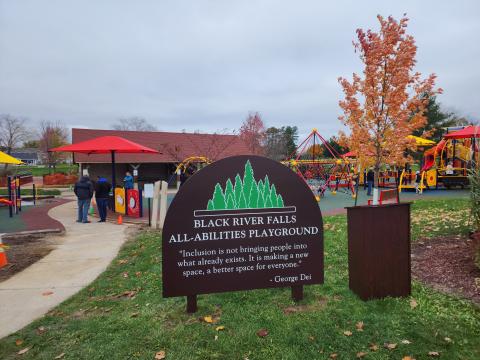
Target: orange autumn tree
[[386, 104]]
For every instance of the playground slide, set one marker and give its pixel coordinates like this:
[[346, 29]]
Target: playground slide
[[428, 164]]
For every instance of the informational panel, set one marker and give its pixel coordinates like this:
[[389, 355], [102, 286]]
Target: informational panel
[[244, 222], [133, 203], [120, 200], [148, 191]]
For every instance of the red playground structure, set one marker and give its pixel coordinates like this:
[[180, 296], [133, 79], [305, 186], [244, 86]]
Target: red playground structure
[[322, 167]]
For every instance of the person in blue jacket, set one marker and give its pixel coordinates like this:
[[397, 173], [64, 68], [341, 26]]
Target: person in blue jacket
[[128, 181]]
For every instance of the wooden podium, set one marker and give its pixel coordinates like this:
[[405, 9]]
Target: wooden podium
[[379, 250]]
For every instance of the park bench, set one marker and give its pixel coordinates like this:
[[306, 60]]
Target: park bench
[[386, 197]]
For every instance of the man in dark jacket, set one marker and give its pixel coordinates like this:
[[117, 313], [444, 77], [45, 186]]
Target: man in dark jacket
[[102, 193], [84, 191], [370, 181]]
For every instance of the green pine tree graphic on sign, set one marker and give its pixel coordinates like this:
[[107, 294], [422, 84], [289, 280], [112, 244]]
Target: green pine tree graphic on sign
[[246, 193]]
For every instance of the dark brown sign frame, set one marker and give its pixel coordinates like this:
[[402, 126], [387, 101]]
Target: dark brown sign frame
[[217, 239]]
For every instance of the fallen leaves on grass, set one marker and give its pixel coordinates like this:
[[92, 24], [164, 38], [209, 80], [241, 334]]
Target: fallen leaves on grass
[[405, 342], [333, 356], [390, 346], [433, 353], [407, 358], [448, 340], [208, 319], [262, 332], [347, 333], [160, 355], [23, 351], [359, 325], [129, 294], [373, 347], [220, 328], [18, 342], [361, 354], [60, 356], [413, 304], [41, 330], [135, 314], [122, 261]]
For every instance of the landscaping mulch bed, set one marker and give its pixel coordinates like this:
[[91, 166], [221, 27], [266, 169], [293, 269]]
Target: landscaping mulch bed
[[24, 252], [448, 264]]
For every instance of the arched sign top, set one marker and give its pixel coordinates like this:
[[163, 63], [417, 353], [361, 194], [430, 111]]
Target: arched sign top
[[243, 222]]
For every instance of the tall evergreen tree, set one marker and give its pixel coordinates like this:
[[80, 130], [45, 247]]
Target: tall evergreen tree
[[242, 203], [268, 201], [291, 137], [248, 181], [280, 201], [261, 200], [230, 202], [238, 188], [253, 198], [229, 191], [210, 205], [437, 121], [218, 198], [273, 196]]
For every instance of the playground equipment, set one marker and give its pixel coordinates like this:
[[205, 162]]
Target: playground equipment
[[190, 165], [447, 163], [333, 173]]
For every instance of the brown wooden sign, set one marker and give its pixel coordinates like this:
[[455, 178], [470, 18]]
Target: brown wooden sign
[[244, 222]]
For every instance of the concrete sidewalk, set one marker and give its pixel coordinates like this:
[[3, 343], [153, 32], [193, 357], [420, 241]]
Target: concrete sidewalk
[[82, 254]]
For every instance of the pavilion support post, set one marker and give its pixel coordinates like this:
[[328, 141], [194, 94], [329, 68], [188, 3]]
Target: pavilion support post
[[113, 169]]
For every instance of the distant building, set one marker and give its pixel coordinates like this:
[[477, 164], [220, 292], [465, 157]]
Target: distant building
[[173, 147], [28, 156]]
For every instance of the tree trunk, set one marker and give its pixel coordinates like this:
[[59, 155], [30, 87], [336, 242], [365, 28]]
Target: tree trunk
[[376, 181]]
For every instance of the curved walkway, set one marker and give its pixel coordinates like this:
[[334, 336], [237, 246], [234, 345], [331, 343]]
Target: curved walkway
[[79, 257]]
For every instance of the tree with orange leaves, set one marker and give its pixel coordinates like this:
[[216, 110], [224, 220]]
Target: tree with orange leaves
[[386, 104], [252, 132]]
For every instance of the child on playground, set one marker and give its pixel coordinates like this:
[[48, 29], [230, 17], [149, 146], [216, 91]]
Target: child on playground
[[418, 180]]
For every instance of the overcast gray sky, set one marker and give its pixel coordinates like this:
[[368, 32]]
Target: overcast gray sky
[[205, 64]]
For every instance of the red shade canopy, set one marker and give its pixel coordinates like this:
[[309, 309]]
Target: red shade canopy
[[467, 132], [350, 154], [106, 144]]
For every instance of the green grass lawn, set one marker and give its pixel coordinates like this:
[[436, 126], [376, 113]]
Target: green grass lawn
[[122, 315], [29, 191], [41, 170]]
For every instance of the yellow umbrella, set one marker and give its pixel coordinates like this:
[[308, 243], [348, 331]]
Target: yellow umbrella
[[421, 141], [7, 159]]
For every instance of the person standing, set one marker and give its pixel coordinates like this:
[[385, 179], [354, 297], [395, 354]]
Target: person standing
[[102, 193], [84, 191], [128, 181], [418, 180], [370, 181]]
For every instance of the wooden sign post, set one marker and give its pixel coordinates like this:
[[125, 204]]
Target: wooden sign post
[[245, 222]]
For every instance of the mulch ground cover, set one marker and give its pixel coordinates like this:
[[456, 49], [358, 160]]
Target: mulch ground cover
[[24, 252], [448, 264]]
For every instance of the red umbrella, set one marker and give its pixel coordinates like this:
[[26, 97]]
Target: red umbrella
[[471, 131], [105, 145]]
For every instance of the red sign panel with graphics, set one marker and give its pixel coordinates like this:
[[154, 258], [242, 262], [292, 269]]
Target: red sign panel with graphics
[[133, 203], [244, 222]]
